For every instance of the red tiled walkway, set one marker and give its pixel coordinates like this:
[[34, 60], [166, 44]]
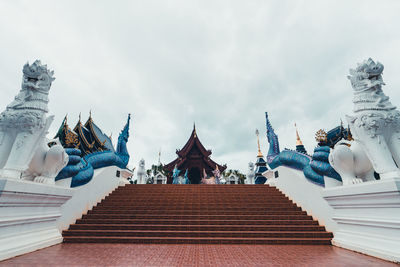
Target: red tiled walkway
[[193, 255]]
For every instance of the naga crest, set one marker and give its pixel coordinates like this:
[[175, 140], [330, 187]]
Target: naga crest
[[368, 74], [37, 76]]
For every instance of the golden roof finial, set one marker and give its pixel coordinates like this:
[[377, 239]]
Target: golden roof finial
[[79, 117], [90, 114], [298, 140], [258, 143], [194, 129], [321, 136]]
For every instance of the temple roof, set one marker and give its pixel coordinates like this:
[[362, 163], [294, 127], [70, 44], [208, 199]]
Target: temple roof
[[88, 138], [193, 140], [194, 146], [67, 137], [299, 144], [331, 137], [101, 140], [261, 167], [87, 143]]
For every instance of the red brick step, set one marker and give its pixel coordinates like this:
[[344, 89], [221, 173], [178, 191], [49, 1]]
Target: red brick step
[[212, 214]]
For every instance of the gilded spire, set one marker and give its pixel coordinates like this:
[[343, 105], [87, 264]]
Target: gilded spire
[[258, 143], [79, 117], [194, 129], [298, 140]]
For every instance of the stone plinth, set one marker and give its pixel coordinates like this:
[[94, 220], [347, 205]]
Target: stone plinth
[[368, 217], [28, 215]]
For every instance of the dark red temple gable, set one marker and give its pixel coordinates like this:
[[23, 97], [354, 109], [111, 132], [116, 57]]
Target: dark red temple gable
[[193, 141], [194, 157]]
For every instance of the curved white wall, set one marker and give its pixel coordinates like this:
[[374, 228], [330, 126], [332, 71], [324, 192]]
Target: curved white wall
[[306, 194], [104, 181]]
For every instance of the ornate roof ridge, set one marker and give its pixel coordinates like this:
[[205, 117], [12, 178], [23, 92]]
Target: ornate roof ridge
[[81, 134], [193, 139], [89, 125]]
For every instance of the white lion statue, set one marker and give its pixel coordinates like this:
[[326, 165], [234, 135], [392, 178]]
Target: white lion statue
[[47, 162], [23, 129], [250, 174], [375, 127], [141, 173]]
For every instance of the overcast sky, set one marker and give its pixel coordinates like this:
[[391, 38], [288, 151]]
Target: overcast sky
[[221, 64]]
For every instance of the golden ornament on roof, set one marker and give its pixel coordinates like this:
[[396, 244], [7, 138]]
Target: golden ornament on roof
[[71, 139], [321, 136]]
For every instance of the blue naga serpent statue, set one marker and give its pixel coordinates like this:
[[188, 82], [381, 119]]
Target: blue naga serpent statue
[[82, 169], [314, 167]]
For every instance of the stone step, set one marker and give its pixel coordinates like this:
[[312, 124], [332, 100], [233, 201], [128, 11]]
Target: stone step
[[197, 214], [201, 209], [200, 206], [203, 217], [198, 240], [168, 233], [97, 210], [196, 222], [209, 227], [192, 216]]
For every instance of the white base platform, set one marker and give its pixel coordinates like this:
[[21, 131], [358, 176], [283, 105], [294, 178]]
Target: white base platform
[[28, 215], [368, 217]]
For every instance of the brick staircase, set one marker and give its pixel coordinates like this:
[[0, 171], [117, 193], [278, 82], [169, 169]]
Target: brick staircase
[[213, 214]]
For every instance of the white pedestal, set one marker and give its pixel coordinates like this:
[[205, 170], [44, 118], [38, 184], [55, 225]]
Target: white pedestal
[[28, 215], [368, 217]]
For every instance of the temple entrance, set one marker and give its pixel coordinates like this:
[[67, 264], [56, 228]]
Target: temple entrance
[[194, 176]]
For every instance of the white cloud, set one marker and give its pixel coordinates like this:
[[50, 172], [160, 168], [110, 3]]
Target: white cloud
[[221, 64]]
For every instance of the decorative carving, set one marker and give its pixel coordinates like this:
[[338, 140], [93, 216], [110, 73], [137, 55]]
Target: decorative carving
[[375, 128], [321, 136], [71, 140], [24, 150]]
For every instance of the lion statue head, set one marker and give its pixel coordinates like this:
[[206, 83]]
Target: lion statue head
[[37, 77], [366, 75]]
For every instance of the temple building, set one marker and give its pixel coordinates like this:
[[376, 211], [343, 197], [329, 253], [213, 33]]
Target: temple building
[[87, 137], [195, 158], [331, 137], [261, 165]]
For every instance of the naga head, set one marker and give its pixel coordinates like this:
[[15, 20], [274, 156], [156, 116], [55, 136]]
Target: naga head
[[37, 77], [368, 74], [272, 140], [124, 135]]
